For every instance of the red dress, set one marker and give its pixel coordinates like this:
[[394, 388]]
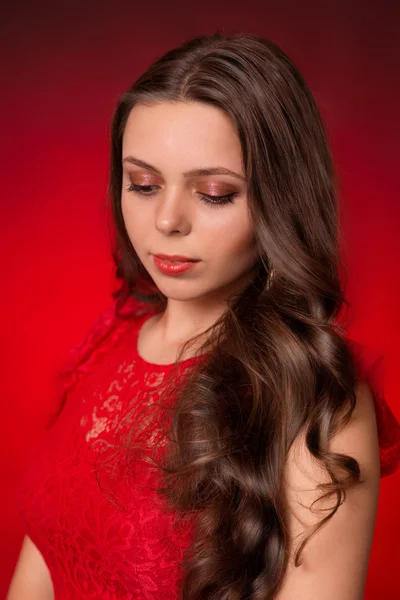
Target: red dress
[[103, 530]]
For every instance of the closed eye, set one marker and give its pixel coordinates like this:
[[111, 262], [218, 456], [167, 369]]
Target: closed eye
[[145, 190], [148, 190]]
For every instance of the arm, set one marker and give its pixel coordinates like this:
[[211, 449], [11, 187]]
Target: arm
[[335, 560], [31, 579]]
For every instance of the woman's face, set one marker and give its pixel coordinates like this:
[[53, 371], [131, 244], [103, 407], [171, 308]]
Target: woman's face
[[165, 201]]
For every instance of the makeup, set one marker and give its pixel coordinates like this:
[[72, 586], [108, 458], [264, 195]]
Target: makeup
[[169, 267]]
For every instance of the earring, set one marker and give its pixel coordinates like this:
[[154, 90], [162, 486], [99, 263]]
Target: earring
[[270, 277]]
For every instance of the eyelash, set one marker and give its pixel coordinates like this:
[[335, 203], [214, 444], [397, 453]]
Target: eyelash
[[210, 200]]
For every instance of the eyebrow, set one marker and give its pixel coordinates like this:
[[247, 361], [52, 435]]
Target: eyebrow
[[193, 173]]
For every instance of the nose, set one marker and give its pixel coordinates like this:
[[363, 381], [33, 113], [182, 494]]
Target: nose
[[172, 213]]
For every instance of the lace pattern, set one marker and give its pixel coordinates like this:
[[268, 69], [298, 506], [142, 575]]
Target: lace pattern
[[97, 519]]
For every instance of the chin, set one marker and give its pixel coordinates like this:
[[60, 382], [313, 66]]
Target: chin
[[180, 291]]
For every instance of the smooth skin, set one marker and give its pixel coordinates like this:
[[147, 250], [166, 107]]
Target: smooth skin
[[174, 218], [31, 579], [170, 213], [336, 559]]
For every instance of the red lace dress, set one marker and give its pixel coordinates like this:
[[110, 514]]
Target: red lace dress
[[102, 528]]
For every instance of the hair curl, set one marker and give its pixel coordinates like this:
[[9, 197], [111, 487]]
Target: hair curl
[[279, 363]]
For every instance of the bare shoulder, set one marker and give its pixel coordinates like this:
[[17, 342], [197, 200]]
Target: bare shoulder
[[360, 436], [31, 578], [335, 559]]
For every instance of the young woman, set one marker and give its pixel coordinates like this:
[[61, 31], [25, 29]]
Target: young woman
[[218, 436]]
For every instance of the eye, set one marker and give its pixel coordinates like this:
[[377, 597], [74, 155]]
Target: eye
[[217, 200], [148, 190], [144, 190]]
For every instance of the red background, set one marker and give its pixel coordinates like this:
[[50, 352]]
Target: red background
[[64, 69]]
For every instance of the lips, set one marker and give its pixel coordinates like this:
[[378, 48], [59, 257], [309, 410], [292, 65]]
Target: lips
[[175, 258], [173, 267]]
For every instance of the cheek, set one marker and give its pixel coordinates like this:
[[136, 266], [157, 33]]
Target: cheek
[[125, 208], [133, 218], [232, 236]]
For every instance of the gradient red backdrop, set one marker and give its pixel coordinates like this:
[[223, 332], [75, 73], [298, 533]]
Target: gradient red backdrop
[[64, 69]]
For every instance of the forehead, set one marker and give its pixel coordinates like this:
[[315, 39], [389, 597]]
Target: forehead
[[191, 135]]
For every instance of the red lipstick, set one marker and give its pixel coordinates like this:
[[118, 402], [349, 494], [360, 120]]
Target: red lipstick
[[173, 264]]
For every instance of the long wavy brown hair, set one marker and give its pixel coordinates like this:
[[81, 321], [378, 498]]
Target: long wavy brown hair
[[279, 363]]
